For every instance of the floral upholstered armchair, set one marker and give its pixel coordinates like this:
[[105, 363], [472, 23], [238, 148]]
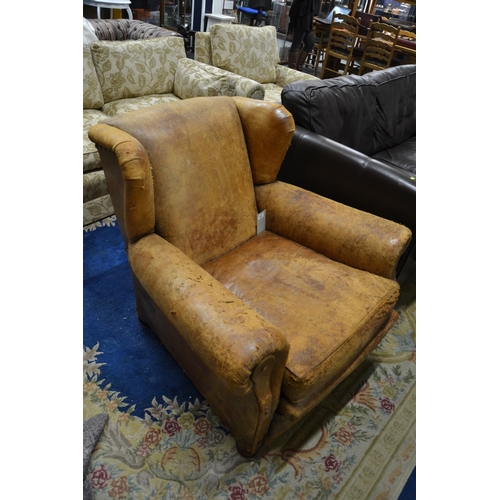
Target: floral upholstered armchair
[[248, 51]]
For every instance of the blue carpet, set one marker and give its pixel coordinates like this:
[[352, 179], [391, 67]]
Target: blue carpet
[[137, 364], [410, 490]]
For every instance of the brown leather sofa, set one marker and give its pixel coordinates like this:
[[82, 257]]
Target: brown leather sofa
[[355, 142], [265, 323]]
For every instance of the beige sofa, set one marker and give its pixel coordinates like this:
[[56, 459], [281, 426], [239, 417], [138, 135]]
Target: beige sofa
[[248, 51], [122, 76]]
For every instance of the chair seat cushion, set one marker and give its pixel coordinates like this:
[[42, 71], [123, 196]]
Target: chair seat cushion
[[328, 311], [122, 106]]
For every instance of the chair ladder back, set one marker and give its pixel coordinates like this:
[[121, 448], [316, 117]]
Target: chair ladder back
[[341, 44], [380, 45]]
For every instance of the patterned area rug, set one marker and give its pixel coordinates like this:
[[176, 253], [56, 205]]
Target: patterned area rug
[[358, 444]]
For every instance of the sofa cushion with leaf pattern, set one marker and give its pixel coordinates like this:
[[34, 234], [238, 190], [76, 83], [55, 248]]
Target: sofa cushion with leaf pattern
[[133, 69], [246, 50]]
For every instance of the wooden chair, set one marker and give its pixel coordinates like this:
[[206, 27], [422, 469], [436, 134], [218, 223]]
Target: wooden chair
[[339, 54], [407, 45], [379, 49], [365, 21]]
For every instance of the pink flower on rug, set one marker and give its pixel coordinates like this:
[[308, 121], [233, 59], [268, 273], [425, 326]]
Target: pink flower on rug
[[387, 405], [331, 463], [337, 479], [99, 477], [171, 427], [201, 426], [343, 436], [258, 485], [143, 451], [119, 488], [237, 492]]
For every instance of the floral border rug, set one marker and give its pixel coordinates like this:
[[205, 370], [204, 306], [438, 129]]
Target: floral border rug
[[360, 443]]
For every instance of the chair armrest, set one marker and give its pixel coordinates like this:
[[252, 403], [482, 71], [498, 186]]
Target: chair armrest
[[233, 355], [196, 79], [341, 233], [286, 75], [343, 174]]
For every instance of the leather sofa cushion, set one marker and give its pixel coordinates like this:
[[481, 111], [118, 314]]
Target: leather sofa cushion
[[327, 311], [403, 155], [368, 113]]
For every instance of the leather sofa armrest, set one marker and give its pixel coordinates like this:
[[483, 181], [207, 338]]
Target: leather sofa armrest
[[234, 356], [340, 173], [344, 234]]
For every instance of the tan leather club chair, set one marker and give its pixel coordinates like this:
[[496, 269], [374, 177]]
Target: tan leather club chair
[[267, 324]]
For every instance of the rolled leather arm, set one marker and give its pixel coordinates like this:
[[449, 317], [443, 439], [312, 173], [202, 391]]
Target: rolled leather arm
[[233, 355], [344, 234], [340, 173]]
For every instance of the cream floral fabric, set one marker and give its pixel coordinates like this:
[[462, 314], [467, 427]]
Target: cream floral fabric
[[203, 47], [123, 76], [286, 75], [194, 79], [94, 185], [97, 209], [91, 159], [272, 92], [246, 50], [126, 105], [132, 68], [92, 94]]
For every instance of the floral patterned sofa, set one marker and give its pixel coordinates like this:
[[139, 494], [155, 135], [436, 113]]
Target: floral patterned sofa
[[122, 76], [248, 51]]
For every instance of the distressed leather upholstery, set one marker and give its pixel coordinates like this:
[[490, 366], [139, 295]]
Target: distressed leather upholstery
[[267, 324]]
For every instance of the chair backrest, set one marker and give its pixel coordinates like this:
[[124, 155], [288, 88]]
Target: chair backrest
[[248, 51], [365, 21], [343, 35], [193, 178], [380, 44]]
